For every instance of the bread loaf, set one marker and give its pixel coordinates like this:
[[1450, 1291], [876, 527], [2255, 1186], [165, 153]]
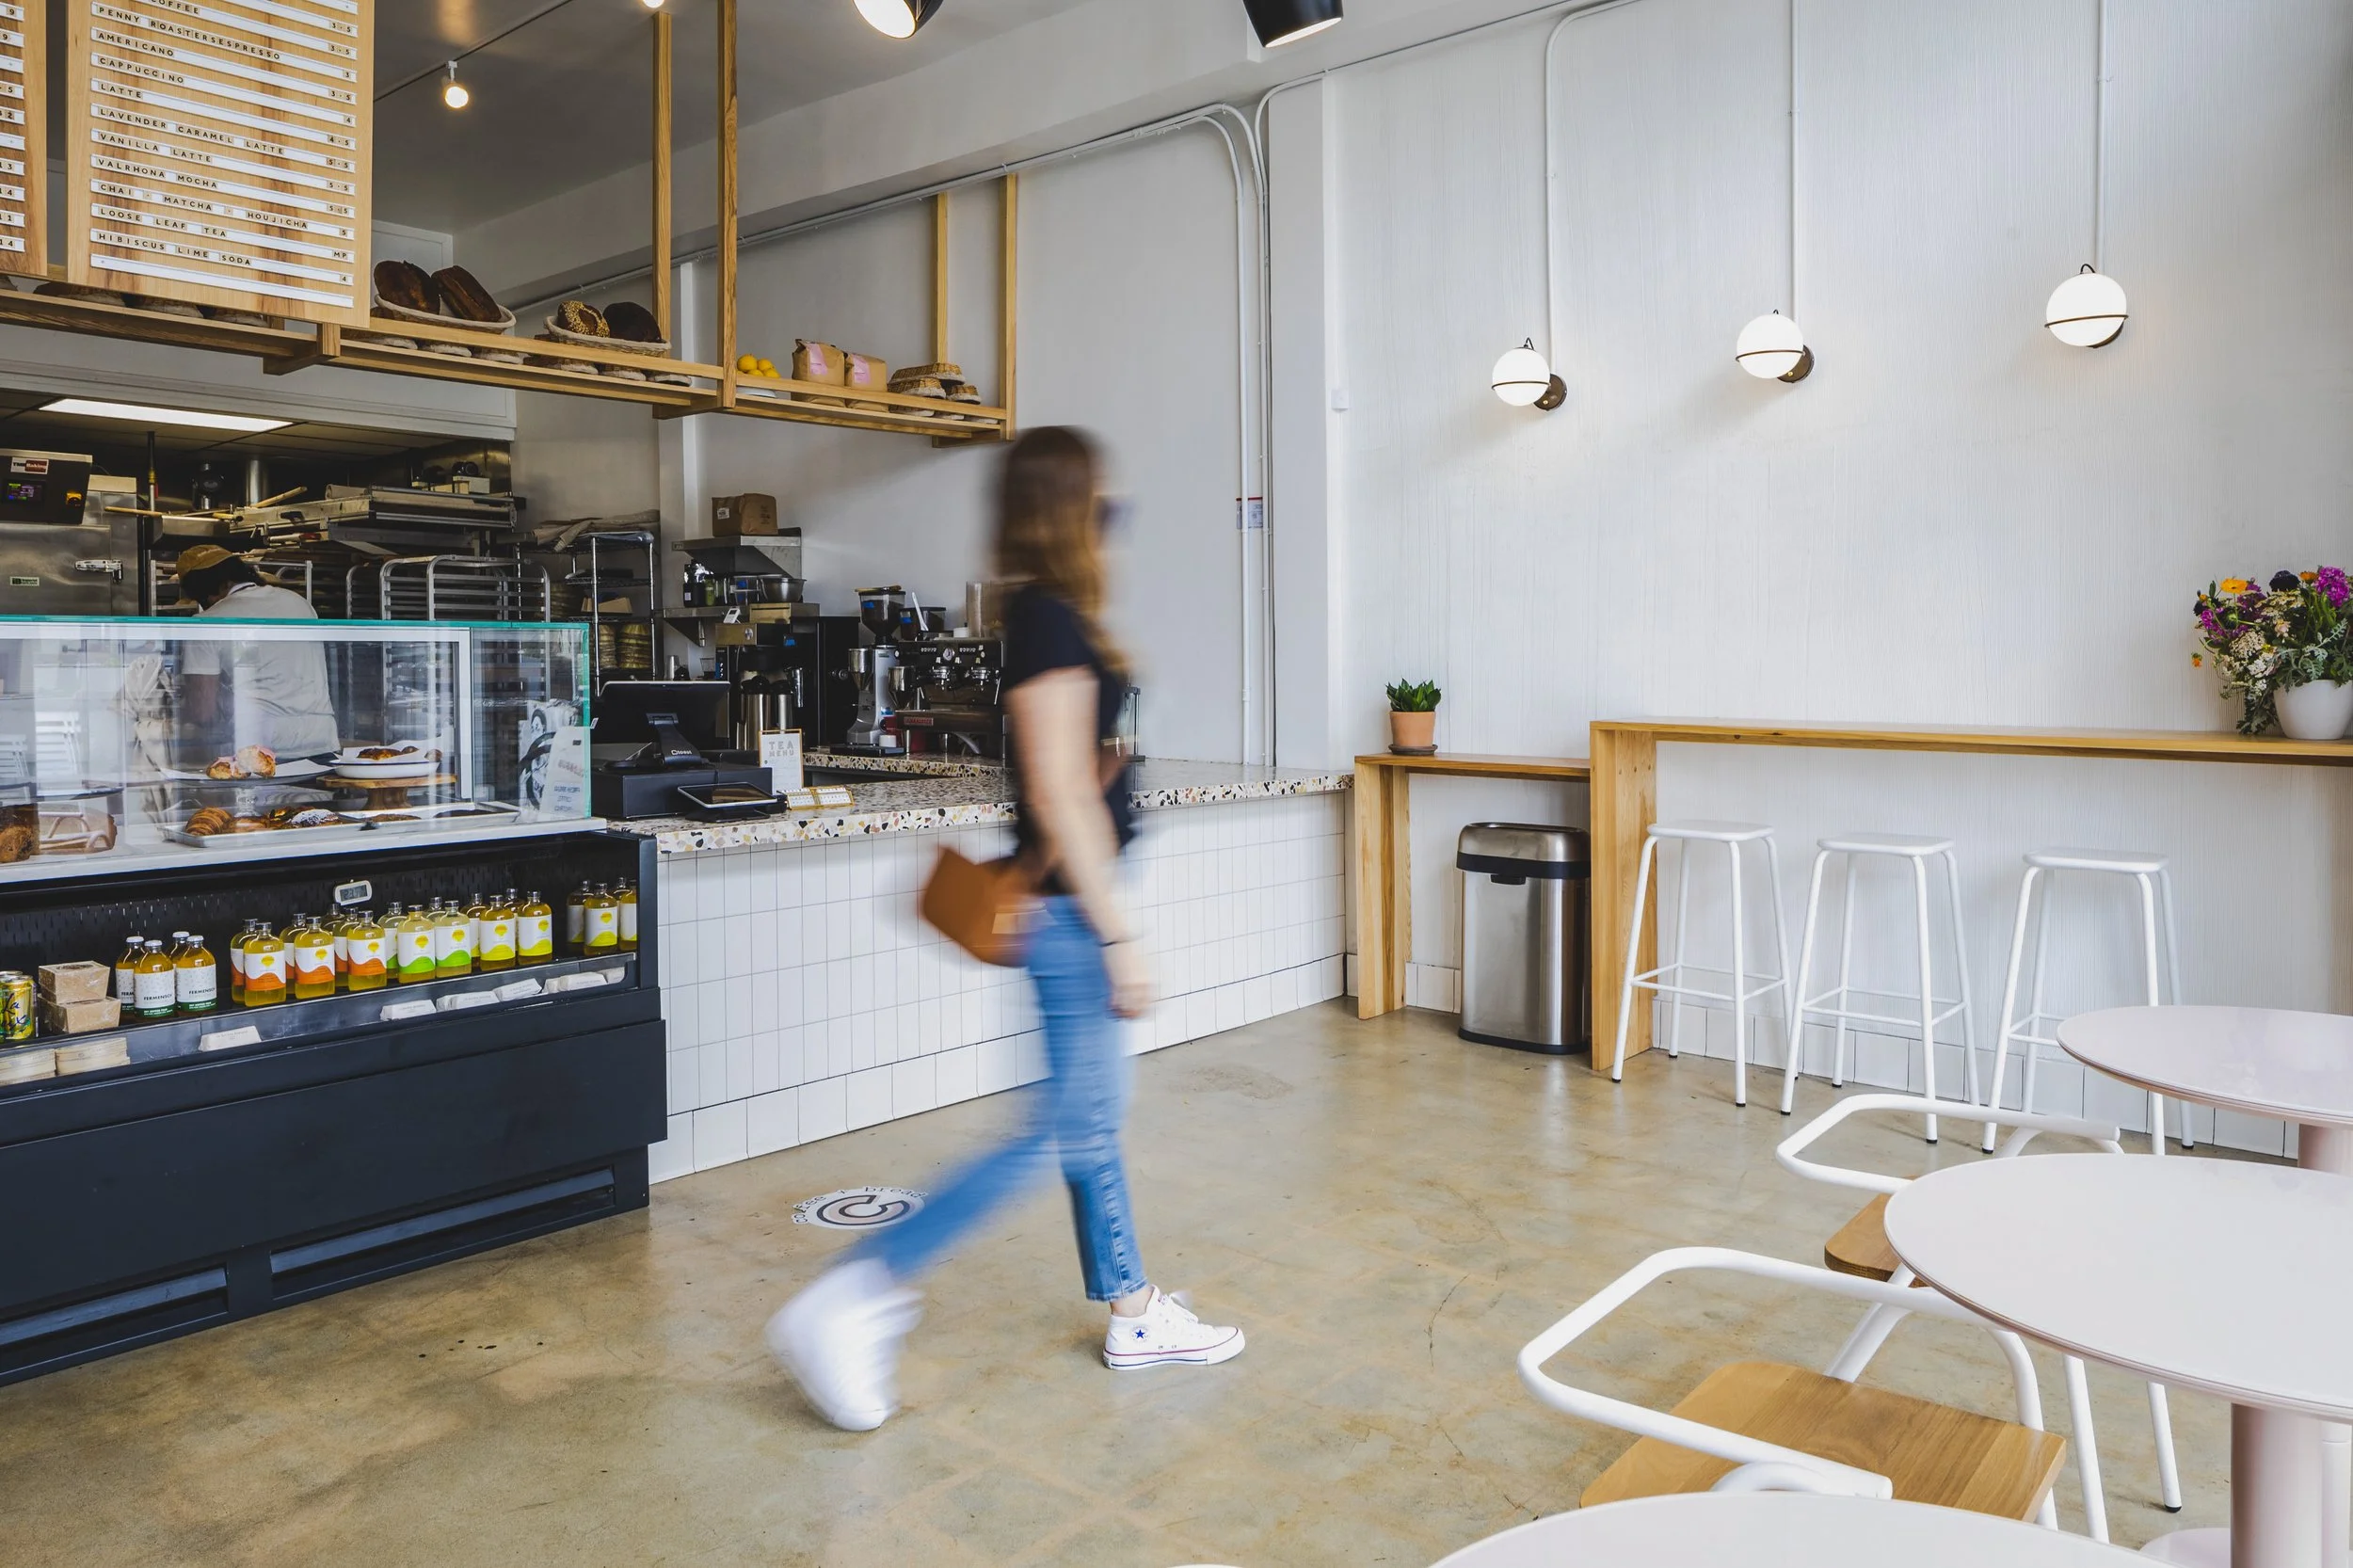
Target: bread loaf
[[56, 290], [943, 370], [162, 307], [581, 319], [464, 298], [407, 285], [628, 320]]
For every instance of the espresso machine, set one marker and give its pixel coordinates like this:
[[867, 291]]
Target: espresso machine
[[922, 691]]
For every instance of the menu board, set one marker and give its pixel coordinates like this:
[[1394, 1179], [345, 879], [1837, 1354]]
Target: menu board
[[24, 135], [218, 151]]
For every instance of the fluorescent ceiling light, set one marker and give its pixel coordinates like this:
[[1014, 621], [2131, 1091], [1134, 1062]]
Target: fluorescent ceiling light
[[140, 413]]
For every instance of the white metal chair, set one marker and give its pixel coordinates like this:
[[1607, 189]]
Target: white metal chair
[[1836, 1002], [1865, 1443], [2155, 881], [1734, 835], [1861, 1248]]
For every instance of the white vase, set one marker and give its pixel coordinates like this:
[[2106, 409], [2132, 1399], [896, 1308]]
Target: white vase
[[2316, 711]]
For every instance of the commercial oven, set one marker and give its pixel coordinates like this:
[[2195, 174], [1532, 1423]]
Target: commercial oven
[[69, 545]]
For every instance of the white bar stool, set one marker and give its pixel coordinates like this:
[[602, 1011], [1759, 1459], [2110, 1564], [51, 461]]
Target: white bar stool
[[2154, 881], [1834, 1003], [1733, 836]]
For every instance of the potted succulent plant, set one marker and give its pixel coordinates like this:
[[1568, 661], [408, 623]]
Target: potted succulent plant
[[1413, 717], [2284, 648]]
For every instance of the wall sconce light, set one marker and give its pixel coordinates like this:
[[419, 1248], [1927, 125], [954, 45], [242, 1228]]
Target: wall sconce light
[[1523, 379], [454, 91], [1288, 21], [897, 18], [1772, 349], [2085, 311]]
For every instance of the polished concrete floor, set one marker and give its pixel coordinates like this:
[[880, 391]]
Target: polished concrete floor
[[1389, 1213]]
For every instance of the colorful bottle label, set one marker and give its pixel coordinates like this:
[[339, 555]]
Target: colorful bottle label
[[414, 950], [364, 955], [534, 935], [126, 985], [498, 940], [314, 960], [575, 921], [452, 945], [601, 927], [629, 923], [341, 950]]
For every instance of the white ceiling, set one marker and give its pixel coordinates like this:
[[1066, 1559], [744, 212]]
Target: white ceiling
[[568, 98]]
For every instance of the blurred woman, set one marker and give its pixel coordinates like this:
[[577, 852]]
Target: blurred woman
[[1064, 680]]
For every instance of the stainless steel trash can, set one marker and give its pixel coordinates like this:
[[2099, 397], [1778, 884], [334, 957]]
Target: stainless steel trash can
[[1526, 892]]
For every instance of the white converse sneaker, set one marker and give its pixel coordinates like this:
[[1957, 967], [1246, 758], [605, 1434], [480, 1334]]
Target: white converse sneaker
[[1164, 1332], [840, 1340]]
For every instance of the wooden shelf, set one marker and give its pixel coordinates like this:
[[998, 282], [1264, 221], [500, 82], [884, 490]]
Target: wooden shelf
[[1471, 764], [897, 412], [357, 351], [94, 319], [2163, 746]]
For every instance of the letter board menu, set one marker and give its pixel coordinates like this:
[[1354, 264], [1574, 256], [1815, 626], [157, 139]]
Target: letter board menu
[[24, 135], [218, 151]]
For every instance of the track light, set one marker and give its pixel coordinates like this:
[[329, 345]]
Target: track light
[[653, 4], [454, 91], [897, 18], [1523, 379], [1288, 21]]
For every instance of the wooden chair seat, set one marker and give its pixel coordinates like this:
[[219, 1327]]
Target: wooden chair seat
[[1861, 1247], [1932, 1453]]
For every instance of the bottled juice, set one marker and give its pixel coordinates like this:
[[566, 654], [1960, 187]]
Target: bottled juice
[[267, 969], [339, 932], [236, 962], [126, 970], [625, 897], [197, 977], [599, 921], [313, 949], [496, 949], [367, 952], [155, 983], [575, 918], [477, 915], [453, 941], [534, 930], [412, 944]]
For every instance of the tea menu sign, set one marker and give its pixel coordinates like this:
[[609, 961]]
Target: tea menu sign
[[24, 135], [218, 152]]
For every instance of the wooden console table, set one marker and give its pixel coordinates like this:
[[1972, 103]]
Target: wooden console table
[[1625, 802], [1385, 916]]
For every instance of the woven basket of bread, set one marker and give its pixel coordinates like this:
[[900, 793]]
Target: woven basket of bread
[[624, 325], [435, 318]]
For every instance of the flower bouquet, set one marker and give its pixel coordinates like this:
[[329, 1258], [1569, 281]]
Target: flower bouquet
[[2269, 641]]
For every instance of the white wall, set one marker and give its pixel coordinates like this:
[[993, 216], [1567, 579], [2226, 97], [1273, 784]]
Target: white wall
[[1126, 320], [1956, 519]]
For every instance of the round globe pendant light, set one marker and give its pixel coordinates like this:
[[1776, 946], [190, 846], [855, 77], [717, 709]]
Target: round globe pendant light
[[1523, 379], [2085, 311], [1288, 21], [1772, 349], [897, 18]]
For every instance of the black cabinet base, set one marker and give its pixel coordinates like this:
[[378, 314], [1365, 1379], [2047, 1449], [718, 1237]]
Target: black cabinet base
[[262, 1279]]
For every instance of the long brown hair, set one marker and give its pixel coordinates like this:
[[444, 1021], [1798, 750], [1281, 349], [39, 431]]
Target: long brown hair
[[1049, 528]]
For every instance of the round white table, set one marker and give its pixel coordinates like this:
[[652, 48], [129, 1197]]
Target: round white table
[[2267, 1062], [2225, 1276], [1781, 1530]]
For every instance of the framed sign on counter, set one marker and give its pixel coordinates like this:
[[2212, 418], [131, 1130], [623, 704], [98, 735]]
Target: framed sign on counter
[[218, 151], [24, 135]]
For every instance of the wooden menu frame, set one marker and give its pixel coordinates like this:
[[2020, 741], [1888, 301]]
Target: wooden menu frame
[[29, 21], [206, 139]]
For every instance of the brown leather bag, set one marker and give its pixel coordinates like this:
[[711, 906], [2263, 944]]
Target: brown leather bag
[[987, 907]]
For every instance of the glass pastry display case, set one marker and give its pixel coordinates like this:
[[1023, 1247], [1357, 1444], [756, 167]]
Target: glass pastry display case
[[198, 738]]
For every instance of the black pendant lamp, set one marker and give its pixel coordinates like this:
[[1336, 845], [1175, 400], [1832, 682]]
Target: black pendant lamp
[[897, 18], [1287, 21]]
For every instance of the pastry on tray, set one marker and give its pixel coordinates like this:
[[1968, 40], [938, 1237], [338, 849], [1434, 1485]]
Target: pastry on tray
[[581, 319], [466, 299], [17, 842], [631, 322], [407, 285], [209, 820]]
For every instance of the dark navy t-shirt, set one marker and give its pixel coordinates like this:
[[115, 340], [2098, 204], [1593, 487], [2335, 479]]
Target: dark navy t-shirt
[[1044, 635]]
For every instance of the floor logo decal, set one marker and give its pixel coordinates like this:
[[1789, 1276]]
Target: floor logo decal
[[858, 1207]]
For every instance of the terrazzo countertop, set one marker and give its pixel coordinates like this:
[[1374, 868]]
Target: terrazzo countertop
[[967, 794]]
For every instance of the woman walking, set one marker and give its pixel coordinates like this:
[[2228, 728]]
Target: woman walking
[[1063, 682]]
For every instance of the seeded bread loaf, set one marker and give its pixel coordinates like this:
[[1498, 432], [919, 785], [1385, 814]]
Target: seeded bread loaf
[[581, 319]]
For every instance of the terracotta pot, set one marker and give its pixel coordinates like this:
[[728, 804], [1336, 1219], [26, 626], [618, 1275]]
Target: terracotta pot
[[1413, 734]]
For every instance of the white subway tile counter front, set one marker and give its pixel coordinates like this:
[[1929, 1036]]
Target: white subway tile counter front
[[806, 997]]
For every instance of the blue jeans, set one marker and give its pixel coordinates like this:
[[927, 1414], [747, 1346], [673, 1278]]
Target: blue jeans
[[1077, 1110]]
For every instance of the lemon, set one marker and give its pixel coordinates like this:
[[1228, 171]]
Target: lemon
[[767, 367], [748, 363]]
